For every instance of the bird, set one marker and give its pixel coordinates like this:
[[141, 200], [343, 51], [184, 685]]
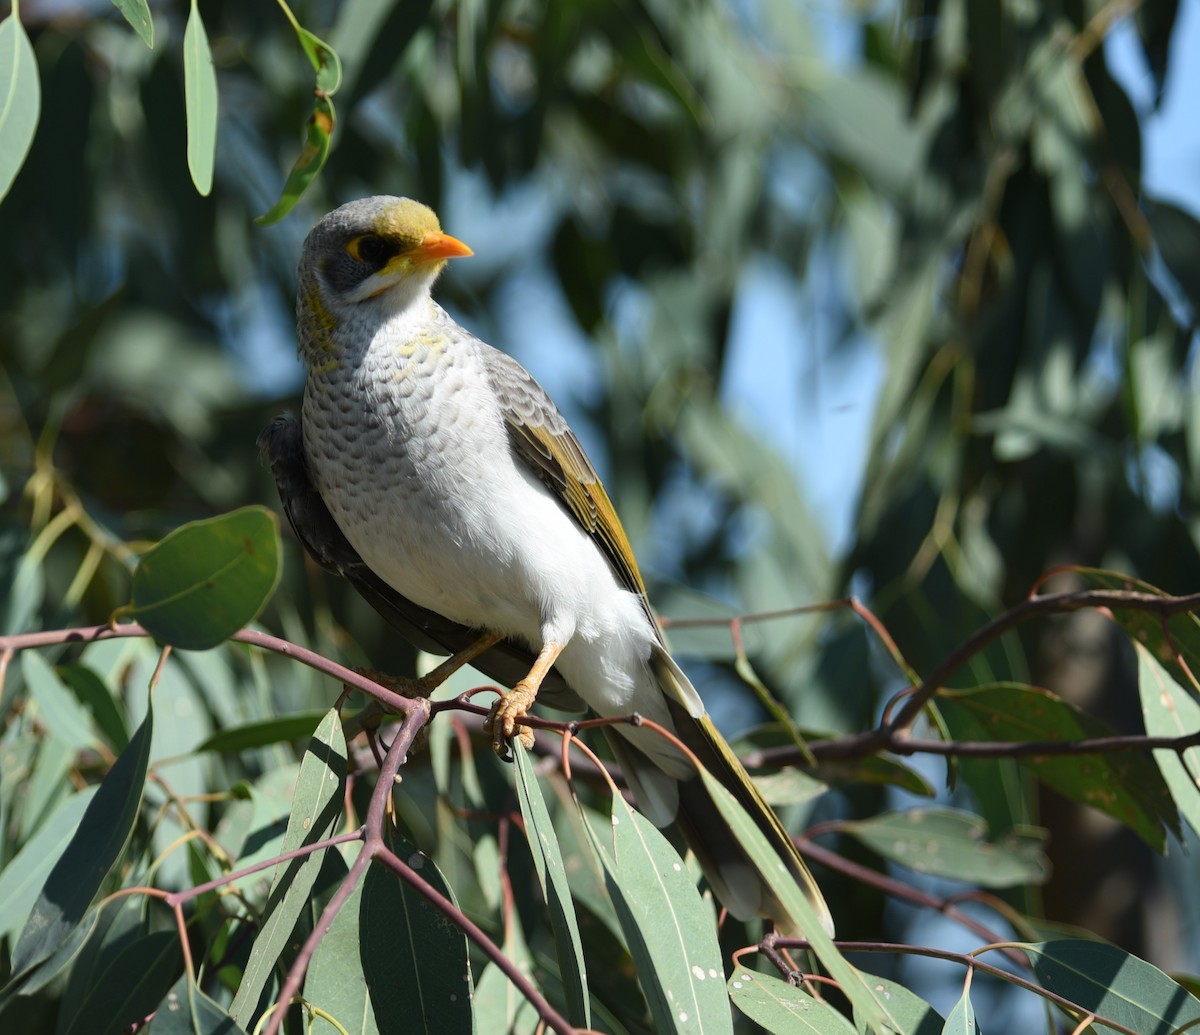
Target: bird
[[435, 474]]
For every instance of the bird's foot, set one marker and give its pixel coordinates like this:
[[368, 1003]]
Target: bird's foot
[[402, 685], [502, 721]]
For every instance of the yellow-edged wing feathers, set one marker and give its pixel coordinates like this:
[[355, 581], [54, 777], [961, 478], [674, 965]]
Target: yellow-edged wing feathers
[[542, 439]]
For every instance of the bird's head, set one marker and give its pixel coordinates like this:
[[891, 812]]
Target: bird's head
[[381, 249]]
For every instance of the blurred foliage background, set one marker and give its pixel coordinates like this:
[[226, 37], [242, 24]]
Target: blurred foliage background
[[698, 223]]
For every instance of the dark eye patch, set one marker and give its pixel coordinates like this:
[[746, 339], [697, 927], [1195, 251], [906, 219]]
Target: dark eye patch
[[371, 250]]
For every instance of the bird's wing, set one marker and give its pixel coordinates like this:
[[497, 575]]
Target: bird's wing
[[282, 444], [541, 438]]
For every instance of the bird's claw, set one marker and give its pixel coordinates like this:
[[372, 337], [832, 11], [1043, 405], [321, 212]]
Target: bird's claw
[[502, 721]]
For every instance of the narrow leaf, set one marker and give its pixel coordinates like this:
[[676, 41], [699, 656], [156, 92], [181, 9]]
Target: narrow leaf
[[962, 1018], [324, 61], [867, 1006], [26, 872], [20, 100], [783, 1009], [552, 876], [320, 125], [670, 930], [913, 1015], [1133, 789], [335, 981], [94, 849], [137, 13], [130, 986], [263, 733], [200, 102], [414, 958], [316, 806], [312, 158], [186, 1010], [208, 579], [1170, 711], [63, 715], [953, 843], [1111, 983]]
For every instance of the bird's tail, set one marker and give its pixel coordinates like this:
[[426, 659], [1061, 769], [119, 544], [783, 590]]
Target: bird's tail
[[739, 880]]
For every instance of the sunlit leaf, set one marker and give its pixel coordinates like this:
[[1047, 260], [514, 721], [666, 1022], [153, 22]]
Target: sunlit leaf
[[552, 876], [1113, 984], [200, 102], [137, 13], [1170, 711], [316, 807], [1126, 785], [867, 1006], [336, 982], [783, 1009], [20, 100], [25, 873], [671, 932], [312, 158], [94, 849], [952, 843], [913, 1015], [961, 1020], [208, 579]]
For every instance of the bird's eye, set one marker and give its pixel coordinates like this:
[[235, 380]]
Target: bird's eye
[[370, 249]]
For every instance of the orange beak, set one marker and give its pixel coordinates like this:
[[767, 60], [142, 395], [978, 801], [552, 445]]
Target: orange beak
[[436, 246]]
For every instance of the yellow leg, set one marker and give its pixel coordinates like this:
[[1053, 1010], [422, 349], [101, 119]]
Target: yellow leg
[[502, 721]]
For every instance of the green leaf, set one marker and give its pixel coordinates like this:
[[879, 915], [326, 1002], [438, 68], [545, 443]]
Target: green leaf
[[414, 959], [671, 932], [207, 579], [137, 13], [186, 1010], [263, 733], [336, 981], [783, 1009], [200, 102], [20, 100], [93, 693], [312, 157], [953, 843], [1106, 981], [131, 985], [552, 876], [25, 873], [320, 124], [1125, 785], [1170, 711], [324, 61], [788, 786], [867, 1006], [95, 848], [316, 807], [1177, 235], [64, 717], [1177, 635], [962, 1018], [499, 1008], [913, 1015]]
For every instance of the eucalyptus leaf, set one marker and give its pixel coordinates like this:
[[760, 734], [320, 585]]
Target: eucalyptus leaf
[[952, 843], [316, 807], [20, 100], [200, 101], [207, 579]]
